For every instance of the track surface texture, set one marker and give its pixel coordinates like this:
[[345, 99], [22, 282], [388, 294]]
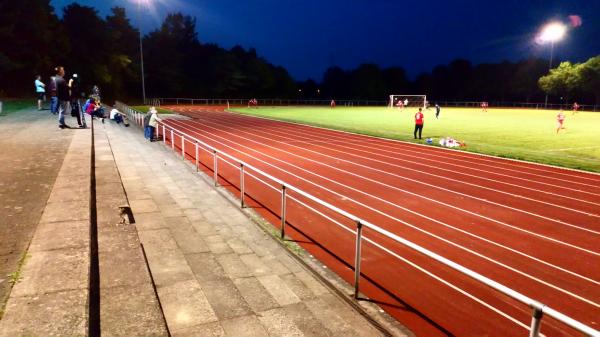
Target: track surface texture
[[533, 228]]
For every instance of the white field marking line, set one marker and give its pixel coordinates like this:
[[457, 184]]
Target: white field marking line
[[461, 166], [573, 148], [397, 176], [274, 131], [431, 274], [408, 192], [457, 153], [390, 203], [550, 285], [421, 269], [262, 181]]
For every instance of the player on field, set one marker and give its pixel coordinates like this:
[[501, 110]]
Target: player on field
[[560, 120], [406, 102], [332, 104], [484, 106], [575, 108], [400, 105], [419, 118]]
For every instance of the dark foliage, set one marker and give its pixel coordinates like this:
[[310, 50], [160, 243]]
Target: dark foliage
[[105, 51]]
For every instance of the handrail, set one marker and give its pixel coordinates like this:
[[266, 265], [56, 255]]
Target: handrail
[[539, 309]]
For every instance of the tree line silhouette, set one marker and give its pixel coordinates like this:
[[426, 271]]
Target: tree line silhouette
[[105, 51]]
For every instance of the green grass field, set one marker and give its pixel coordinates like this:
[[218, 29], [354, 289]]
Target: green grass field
[[512, 133], [145, 108], [13, 105]]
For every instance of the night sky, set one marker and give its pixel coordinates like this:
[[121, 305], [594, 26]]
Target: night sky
[[308, 36]]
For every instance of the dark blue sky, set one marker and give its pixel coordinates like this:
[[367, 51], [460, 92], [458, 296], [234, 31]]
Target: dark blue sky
[[307, 36]]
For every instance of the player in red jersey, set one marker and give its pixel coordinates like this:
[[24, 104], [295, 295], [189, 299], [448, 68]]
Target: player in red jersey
[[560, 120], [419, 119], [575, 108], [400, 105], [484, 106], [332, 104]]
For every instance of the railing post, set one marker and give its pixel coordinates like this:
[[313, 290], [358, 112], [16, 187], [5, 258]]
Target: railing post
[[182, 147], [157, 134], [283, 194], [242, 185], [536, 321], [215, 168], [172, 141], [196, 157], [164, 135], [357, 258]]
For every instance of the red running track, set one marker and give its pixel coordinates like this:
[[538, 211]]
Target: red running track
[[533, 228]]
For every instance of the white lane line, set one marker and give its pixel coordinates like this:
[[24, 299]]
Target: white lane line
[[574, 148], [423, 270], [400, 177], [344, 198], [455, 153], [411, 193], [286, 134], [378, 149]]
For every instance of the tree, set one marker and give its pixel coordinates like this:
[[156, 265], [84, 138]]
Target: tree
[[526, 75], [123, 61], [88, 34], [589, 76], [335, 83], [32, 41], [395, 80], [366, 81], [563, 80]]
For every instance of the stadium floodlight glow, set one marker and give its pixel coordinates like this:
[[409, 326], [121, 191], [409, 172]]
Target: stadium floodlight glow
[[552, 32]]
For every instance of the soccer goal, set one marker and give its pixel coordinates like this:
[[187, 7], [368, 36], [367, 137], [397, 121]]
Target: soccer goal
[[405, 101]]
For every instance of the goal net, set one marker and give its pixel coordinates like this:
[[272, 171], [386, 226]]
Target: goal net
[[406, 101]]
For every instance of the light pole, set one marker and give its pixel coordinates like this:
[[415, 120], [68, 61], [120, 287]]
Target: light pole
[[552, 32], [141, 49]]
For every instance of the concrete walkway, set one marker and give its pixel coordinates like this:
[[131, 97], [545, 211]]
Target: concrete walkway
[[32, 150], [216, 272], [51, 292]]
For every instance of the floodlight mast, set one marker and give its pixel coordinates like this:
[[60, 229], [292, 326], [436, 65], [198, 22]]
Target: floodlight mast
[[552, 32], [139, 8]]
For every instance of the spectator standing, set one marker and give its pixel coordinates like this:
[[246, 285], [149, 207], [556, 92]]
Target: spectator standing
[[75, 90], [40, 90], [147, 133], [64, 98], [52, 92], [153, 122], [419, 123]]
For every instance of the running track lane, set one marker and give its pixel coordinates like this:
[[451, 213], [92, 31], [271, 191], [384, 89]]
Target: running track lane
[[531, 227]]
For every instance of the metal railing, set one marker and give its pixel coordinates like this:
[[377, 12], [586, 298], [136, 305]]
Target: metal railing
[[358, 102], [539, 310]]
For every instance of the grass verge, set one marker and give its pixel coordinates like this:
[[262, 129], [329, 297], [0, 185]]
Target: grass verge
[[12, 105], [145, 108]]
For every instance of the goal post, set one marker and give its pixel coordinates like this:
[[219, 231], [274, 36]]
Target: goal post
[[405, 101]]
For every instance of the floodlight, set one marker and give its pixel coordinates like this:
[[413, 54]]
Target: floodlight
[[553, 32]]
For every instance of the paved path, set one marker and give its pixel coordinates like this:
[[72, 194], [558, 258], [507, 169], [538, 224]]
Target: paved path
[[216, 272], [32, 149]]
